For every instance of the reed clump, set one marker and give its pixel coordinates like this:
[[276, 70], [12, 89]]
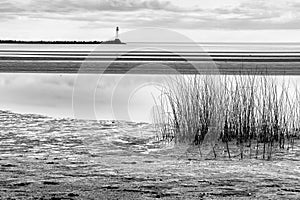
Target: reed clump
[[260, 113]]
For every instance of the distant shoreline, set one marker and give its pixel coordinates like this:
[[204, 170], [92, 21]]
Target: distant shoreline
[[48, 42], [116, 41]]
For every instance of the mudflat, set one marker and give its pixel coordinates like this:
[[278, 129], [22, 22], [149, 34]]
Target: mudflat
[[46, 158]]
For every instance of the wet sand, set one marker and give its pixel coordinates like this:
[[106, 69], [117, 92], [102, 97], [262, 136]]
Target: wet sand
[[95, 59], [45, 158]]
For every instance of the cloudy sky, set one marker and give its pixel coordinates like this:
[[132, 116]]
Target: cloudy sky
[[202, 20]]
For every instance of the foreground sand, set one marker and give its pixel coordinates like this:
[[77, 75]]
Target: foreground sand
[[43, 158]]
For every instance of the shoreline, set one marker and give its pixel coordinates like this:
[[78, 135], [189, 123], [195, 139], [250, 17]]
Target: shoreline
[[48, 42]]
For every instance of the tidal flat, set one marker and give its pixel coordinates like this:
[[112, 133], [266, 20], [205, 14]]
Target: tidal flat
[[47, 158]]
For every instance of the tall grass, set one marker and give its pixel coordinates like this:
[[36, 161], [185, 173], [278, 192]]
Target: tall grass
[[258, 112]]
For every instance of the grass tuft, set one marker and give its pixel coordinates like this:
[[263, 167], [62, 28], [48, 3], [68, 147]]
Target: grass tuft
[[256, 112]]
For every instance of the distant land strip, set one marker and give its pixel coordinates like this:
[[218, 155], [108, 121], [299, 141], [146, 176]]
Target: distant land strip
[[179, 43], [48, 42]]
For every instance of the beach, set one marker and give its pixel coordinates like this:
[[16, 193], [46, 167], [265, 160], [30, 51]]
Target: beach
[[47, 158]]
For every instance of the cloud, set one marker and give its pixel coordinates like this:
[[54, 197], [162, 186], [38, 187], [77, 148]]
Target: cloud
[[260, 14], [69, 6], [234, 19]]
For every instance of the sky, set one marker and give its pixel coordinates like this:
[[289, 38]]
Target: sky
[[198, 20], [201, 20]]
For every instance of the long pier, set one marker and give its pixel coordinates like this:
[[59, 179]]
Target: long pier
[[150, 62]]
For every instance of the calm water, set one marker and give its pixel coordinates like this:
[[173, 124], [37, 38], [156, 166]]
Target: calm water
[[16, 89], [171, 46]]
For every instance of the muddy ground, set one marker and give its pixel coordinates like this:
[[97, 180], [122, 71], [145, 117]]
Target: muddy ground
[[44, 158]]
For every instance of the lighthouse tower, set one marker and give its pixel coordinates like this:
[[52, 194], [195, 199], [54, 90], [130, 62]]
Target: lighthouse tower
[[117, 33]]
